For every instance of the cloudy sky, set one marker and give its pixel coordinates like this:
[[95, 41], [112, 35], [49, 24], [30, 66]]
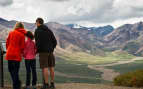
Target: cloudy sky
[[84, 12]]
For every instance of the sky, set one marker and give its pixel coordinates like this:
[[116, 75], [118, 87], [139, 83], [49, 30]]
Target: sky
[[83, 12]]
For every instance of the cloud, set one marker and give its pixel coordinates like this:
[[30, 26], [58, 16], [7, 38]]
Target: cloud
[[5, 2], [59, 0], [74, 11], [55, 0], [93, 10], [104, 11]]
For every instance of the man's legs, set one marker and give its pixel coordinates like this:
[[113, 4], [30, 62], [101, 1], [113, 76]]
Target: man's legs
[[52, 74], [47, 61], [45, 75], [45, 78]]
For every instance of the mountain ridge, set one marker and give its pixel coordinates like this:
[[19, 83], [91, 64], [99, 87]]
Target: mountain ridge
[[127, 37]]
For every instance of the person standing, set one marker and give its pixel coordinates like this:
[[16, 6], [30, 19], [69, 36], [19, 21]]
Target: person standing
[[15, 44], [30, 60], [45, 43]]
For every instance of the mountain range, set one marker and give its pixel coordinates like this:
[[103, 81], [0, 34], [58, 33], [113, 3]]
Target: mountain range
[[92, 40]]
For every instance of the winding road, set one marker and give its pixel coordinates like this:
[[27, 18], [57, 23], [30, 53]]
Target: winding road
[[110, 74]]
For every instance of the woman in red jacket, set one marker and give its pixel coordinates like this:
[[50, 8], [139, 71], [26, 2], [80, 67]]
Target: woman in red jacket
[[15, 46]]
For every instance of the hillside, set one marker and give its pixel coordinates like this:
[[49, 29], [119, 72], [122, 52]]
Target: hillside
[[77, 39], [125, 33], [127, 37], [92, 40], [85, 86]]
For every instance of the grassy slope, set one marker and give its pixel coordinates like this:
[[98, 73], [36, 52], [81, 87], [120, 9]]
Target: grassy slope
[[62, 66], [75, 63], [83, 57]]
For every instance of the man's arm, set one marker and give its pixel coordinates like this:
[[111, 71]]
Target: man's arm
[[36, 39], [54, 41]]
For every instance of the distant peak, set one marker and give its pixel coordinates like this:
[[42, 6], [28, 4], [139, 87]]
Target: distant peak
[[1, 19], [52, 23], [140, 22], [13, 21], [74, 26]]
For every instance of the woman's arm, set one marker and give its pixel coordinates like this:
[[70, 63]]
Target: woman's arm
[[8, 40]]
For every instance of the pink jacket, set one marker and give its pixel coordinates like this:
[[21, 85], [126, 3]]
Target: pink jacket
[[29, 50]]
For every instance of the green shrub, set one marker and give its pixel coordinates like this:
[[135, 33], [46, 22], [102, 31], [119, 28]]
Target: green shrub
[[130, 79]]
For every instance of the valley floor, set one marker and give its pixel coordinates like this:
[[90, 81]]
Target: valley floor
[[110, 74]]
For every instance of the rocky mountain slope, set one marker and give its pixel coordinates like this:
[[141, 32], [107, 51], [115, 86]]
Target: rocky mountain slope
[[75, 39], [89, 39], [128, 37]]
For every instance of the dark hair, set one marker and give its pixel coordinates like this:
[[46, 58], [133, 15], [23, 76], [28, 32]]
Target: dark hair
[[40, 20], [30, 35]]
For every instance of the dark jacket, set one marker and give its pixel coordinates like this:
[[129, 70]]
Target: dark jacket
[[45, 39]]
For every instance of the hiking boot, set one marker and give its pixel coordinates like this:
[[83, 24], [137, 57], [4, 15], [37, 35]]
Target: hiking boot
[[34, 87], [52, 86], [45, 86], [20, 84], [26, 87]]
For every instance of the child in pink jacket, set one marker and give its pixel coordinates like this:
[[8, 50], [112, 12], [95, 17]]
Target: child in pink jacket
[[30, 60]]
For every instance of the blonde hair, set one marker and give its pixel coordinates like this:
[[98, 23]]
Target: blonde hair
[[19, 25]]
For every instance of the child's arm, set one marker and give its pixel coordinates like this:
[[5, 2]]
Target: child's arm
[[24, 51], [35, 49]]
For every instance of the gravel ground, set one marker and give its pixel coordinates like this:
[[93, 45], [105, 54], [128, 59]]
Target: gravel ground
[[84, 86]]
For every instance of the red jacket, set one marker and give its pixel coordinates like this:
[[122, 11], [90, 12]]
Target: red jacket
[[15, 44]]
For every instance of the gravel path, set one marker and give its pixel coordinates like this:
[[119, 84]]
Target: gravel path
[[85, 86], [110, 74]]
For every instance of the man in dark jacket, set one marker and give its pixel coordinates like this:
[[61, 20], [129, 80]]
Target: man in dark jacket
[[46, 43]]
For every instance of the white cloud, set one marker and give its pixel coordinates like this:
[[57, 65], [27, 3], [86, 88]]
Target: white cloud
[[5, 2], [74, 11]]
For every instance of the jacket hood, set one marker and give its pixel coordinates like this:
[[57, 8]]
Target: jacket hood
[[21, 30], [44, 27]]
